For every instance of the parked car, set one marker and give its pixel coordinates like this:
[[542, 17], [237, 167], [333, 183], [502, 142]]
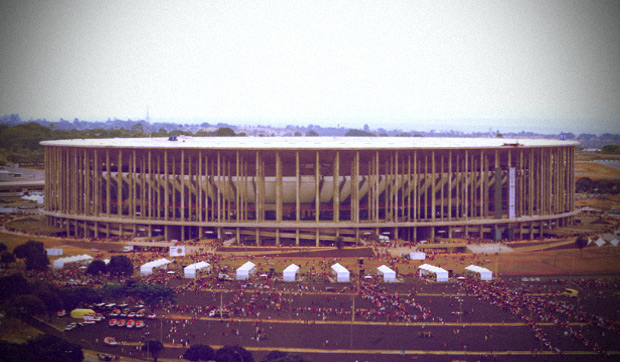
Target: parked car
[[70, 327], [104, 356], [131, 323], [112, 322], [140, 324], [131, 315], [120, 323], [140, 313], [151, 316]]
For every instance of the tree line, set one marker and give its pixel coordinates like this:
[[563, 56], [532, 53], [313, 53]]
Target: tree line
[[602, 186]]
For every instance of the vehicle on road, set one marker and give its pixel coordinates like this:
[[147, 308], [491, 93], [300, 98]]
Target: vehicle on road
[[140, 324], [70, 327], [104, 356], [151, 316], [112, 322], [131, 323], [120, 323], [110, 341]]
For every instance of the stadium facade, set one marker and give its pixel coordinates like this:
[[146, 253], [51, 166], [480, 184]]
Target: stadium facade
[[309, 190]]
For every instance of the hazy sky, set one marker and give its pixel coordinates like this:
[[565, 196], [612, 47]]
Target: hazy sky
[[536, 65]]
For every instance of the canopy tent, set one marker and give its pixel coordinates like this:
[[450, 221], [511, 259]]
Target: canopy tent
[[442, 274], [60, 263], [290, 272], [146, 269], [417, 256], [54, 251], [485, 274], [80, 313], [192, 270], [611, 238], [600, 242], [389, 275], [342, 274], [244, 271]]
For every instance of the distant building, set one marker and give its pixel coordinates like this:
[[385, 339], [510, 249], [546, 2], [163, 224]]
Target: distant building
[[309, 190]]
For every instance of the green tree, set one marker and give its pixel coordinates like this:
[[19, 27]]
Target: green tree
[[358, 133], [34, 254], [339, 243], [581, 242], [3, 247], [278, 356], [153, 347], [233, 354], [49, 348], [14, 284], [120, 265], [224, 132], [312, 133], [199, 352], [25, 305], [96, 267], [6, 258], [112, 291], [73, 298]]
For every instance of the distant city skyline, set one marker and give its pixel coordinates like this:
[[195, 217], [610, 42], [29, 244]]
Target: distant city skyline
[[512, 66]]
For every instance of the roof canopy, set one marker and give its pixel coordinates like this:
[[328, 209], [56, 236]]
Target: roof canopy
[[442, 274], [342, 274], [389, 275], [290, 272], [190, 270], [60, 263], [147, 268], [485, 274]]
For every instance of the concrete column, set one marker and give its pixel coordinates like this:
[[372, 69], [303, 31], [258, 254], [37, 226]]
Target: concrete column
[[279, 190], [336, 189]]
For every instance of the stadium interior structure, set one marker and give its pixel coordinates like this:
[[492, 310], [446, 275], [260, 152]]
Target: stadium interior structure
[[309, 190]]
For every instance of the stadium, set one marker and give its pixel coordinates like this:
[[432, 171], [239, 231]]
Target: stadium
[[309, 191]]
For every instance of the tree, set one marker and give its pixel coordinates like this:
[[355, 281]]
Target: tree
[[278, 356], [6, 258], [199, 352], [339, 243], [96, 267], [224, 132], [25, 305], [72, 298], [358, 133], [312, 133], [3, 247], [153, 347], [233, 354], [14, 284], [112, 291], [49, 348], [581, 242], [34, 253], [120, 265]]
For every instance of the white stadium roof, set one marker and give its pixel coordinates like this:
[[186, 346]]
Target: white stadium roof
[[308, 143]]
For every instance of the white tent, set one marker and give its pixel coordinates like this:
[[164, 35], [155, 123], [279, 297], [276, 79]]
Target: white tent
[[244, 271], [614, 242], [442, 274], [600, 242], [191, 270], [146, 269], [60, 263], [389, 275], [417, 256], [485, 274], [342, 274], [54, 251], [290, 272]]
